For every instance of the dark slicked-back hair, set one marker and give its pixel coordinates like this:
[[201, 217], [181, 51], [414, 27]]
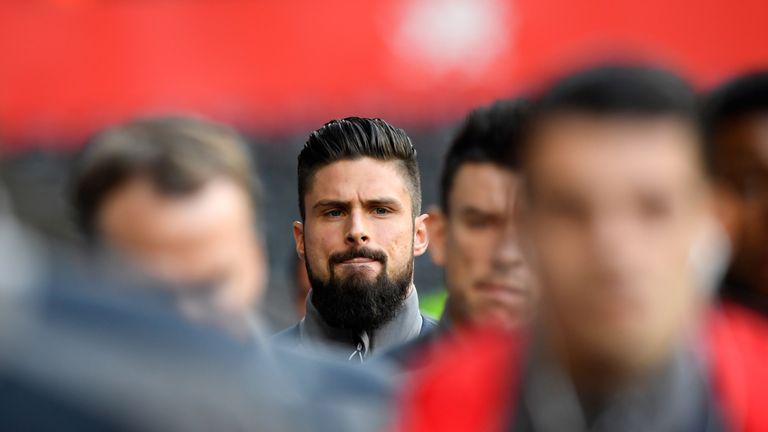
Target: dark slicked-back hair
[[178, 155], [742, 96], [354, 138], [489, 134], [619, 90]]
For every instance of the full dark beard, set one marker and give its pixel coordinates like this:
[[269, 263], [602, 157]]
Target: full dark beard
[[357, 303]]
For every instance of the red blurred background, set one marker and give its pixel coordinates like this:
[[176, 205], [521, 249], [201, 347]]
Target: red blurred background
[[277, 69], [68, 67]]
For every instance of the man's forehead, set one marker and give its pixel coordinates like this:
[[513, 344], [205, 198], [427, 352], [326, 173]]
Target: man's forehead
[[484, 186], [218, 204], [617, 144], [359, 179]]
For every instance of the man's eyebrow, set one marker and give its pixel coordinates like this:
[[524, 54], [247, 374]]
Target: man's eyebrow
[[473, 211], [330, 203], [382, 202]]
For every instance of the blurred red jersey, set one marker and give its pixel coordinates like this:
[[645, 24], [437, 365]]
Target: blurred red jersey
[[475, 387]]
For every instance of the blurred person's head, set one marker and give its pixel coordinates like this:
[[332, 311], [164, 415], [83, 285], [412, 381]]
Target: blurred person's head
[[614, 199], [737, 125], [473, 235], [360, 203], [176, 197]]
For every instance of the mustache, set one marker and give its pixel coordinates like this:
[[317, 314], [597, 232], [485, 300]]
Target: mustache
[[363, 252]]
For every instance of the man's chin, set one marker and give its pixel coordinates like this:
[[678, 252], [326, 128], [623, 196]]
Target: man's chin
[[362, 273], [499, 317]]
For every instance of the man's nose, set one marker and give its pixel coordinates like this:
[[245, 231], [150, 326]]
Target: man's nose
[[507, 254], [357, 234], [612, 237]]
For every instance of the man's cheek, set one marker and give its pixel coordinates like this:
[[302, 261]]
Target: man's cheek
[[456, 274], [402, 242], [327, 238], [317, 264], [563, 276]]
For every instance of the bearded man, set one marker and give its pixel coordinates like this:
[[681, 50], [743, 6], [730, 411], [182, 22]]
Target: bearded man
[[360, 204]]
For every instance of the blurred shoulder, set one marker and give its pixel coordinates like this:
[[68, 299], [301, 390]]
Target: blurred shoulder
[[289, 337], [468, 381], [428, 325], [347, 396]]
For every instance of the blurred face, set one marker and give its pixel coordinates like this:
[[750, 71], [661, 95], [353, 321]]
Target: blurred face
[[203, 244], [613, 208], [742, 153], [476, 242], [358, 240]]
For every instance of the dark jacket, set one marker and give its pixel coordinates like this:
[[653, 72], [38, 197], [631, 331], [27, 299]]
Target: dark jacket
[[79, 354], [418, 353]]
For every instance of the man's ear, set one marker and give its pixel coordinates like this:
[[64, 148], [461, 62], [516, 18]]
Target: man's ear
[[298, 237], [420, 235], [436, 230]]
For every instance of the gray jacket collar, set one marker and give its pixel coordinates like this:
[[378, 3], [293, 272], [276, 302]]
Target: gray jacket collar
[[406, 325], [675, 398]]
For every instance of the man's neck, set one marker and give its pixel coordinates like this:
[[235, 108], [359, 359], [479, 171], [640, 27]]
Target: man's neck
[[597, 377]]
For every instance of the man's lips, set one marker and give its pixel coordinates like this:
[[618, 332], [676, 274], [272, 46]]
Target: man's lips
[[502, 290], [357, 261]]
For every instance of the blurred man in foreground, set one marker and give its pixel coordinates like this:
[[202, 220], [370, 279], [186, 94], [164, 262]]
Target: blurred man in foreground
[[88, 347], [84, 350], [615, 198], [360, 204], [737, 120], [175, 196]]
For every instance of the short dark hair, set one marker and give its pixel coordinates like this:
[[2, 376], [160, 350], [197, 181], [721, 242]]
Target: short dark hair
[[619, 90], [354, 138], [177, 154], [744, 95], [490, 134]]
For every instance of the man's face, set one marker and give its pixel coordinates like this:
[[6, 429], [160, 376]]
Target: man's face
[[476, 242], [742, 153], [203, 244], [358, 240], [613, 208]]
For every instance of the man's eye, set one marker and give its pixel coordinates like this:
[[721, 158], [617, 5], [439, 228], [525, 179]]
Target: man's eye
[[381, 211], [568, 210], [333, 213], [478, 223], [655, 208]]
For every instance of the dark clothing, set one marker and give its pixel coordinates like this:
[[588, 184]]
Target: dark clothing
[[417, 353], [82, 350], [28, 408], [112, 362], [312, 332], [676, 398]]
